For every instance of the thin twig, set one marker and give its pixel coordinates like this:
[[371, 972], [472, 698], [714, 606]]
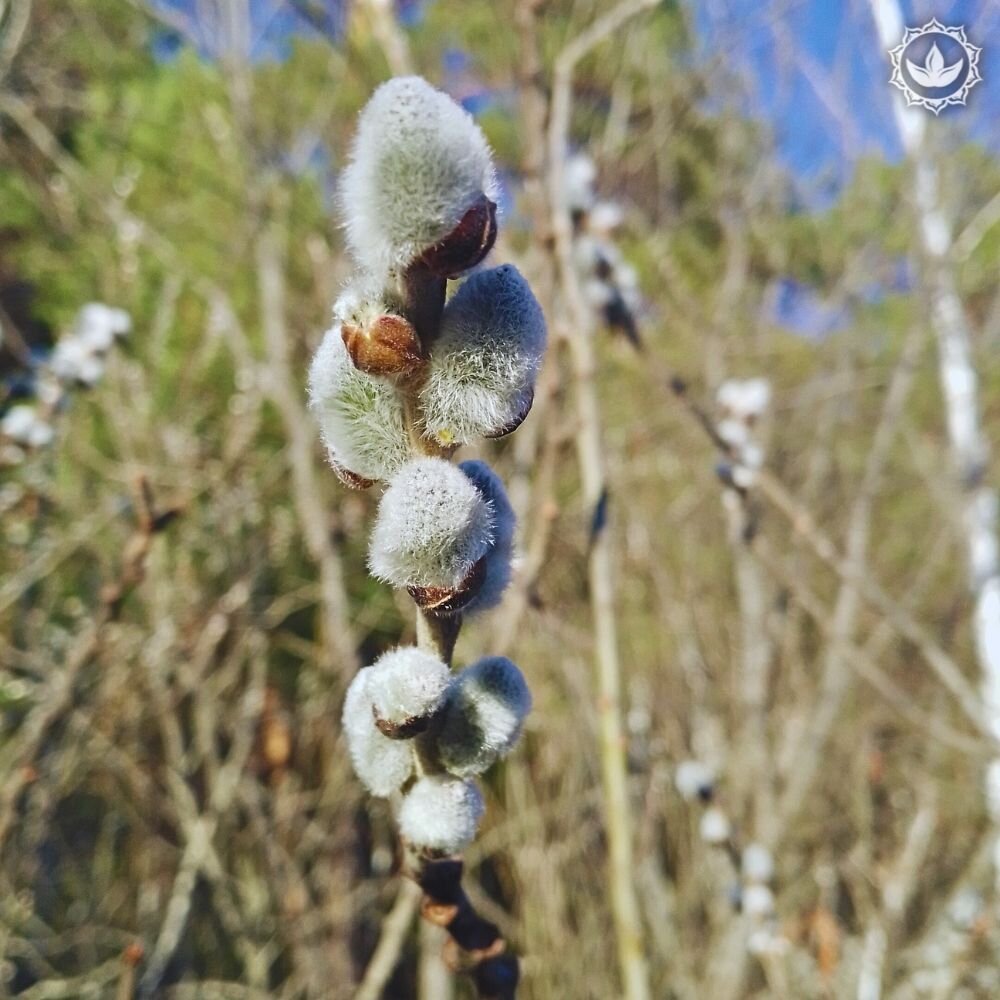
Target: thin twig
[[577, 326]]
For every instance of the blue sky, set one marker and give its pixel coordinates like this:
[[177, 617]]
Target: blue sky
[[815, 71]]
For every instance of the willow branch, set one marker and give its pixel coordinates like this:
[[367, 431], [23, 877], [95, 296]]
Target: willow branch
[[474, 946], [617, 811]]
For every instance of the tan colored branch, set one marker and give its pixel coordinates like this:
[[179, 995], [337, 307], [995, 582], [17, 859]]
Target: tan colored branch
[[577, 327], [804, 527], [313, 517], [395, 927], [150, 521]]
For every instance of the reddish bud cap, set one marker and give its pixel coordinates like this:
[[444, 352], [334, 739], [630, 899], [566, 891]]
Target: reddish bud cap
[[467, 244]]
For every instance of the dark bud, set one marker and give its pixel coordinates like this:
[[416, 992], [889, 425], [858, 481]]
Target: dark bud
[[443, 602], [467, 244], [442, 880], [497, 977], [387, 346]]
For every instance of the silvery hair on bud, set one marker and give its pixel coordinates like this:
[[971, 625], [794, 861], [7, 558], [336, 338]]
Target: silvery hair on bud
[[360, 417], [433, 526], [501, 552], [418, 163], [407, 683], [381, 764], [441, 813], [360, 302], [483, 364], [484, 711]]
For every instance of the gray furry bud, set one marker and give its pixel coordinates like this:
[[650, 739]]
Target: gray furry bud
[[420, 170], [383, 765], [484, 711], [481, 376], [441, 814], [360, 417], [406, 687], [433, 527], [500, 555]]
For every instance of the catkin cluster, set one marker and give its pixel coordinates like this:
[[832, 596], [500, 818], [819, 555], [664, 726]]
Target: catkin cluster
[[743, 403], [404, 377], [608, 282], [696, 782], [77, 361]]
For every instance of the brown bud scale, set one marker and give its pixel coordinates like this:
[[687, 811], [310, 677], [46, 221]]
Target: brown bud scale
[[350, 479], [404, 730], [388, 347], [445, 601]]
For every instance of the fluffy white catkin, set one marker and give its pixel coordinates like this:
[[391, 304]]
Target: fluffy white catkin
[[97, 325], [744, 399], [714, 826], [381, 764], [23, 425], [433, 526], [501, 553], [74, 361], [758, 901], [483, 365], [757, 863], [485, 709], [441, 813], [694, 779], [418, 163], [407, 683], [360, 417]]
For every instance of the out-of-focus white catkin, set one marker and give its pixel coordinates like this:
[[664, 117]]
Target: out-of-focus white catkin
[[714, 826], [694, 779], [744, 399], [757, 863]]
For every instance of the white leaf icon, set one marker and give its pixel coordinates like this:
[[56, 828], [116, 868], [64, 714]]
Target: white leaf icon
[[934, 73]]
